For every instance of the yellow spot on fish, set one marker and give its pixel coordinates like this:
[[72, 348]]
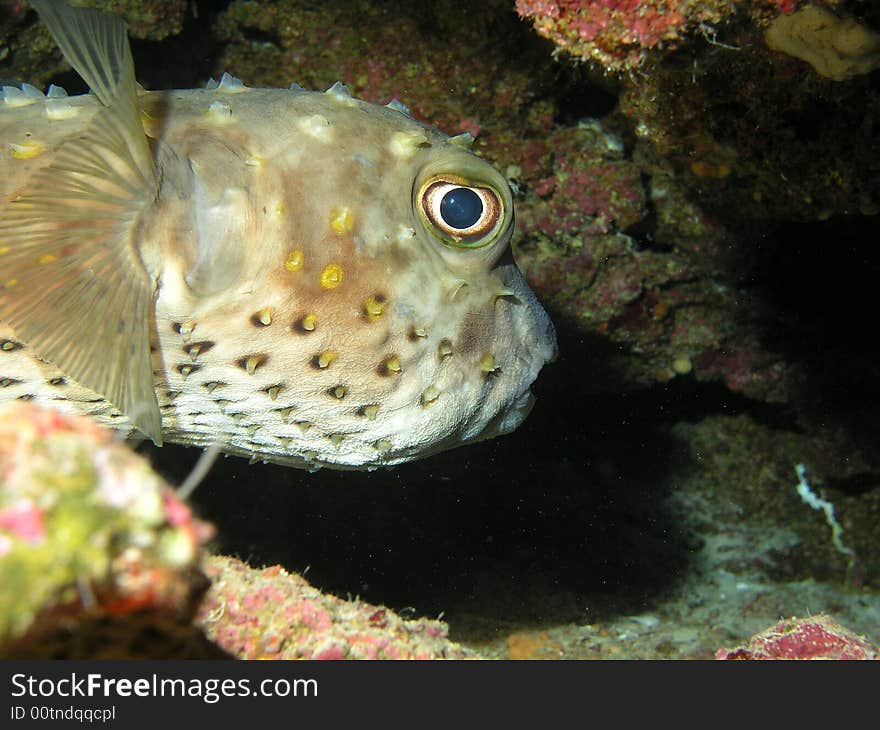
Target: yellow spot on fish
[[331, 276], [327, 358], [390, 365], [374, 307], [254, 161], [429, 395], [26, 150], [336, 438], [264, 316], [273, 392], [309, 322], [487, 363], [382, 446], [294, 260], [339, 392], [4, 250], [252, 363], [9, 283], [47, 258], [444, 349], [341, 220], [371, 411]]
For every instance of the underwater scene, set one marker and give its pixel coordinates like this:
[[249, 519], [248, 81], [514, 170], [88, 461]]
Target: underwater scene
[[283, 375]]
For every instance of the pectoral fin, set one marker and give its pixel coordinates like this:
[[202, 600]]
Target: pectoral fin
[[72, 283]]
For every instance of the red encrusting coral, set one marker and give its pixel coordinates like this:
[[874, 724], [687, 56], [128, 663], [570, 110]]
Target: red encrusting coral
[[616, 33], [817, 637], [273, 614]]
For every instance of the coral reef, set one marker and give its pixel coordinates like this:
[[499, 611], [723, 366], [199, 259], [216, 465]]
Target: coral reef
[[28, 53], [273, 614], [694, 221], [99, 558], [618, 33], [816, 637], [96, 551]]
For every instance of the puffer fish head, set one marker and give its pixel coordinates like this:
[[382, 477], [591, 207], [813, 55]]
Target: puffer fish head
[[301, 277], [362, 261]]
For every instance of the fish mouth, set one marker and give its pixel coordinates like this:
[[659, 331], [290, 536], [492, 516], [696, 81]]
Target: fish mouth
[[510, 418]]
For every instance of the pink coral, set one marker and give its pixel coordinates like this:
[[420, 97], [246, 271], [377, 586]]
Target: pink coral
[[273, 614], [617, 32], [817, 637], [24, 520]]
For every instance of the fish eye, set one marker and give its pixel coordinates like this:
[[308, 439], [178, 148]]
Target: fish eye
[[464, 215]]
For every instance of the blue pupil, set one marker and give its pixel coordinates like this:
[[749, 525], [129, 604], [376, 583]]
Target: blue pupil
[[461, 208]]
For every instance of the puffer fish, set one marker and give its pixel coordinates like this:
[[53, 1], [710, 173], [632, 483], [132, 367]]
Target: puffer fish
[[300, 277]]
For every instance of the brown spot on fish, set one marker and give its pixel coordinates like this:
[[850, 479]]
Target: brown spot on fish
[[252, 362], [389, 366], [272, 391], [212, 385], [188, 369], [284, 413], [429, 395], [324, 360], [184, 329], [370, 412], [198, 348], [263, 317], [414, 333], [306, 323], [374, 307], [58, 381], [444, 349]]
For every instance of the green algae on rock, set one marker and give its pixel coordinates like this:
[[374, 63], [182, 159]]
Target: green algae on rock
[[88, 533]]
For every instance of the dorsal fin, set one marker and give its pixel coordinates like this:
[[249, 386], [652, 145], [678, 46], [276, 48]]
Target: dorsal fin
[[72, 283]]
